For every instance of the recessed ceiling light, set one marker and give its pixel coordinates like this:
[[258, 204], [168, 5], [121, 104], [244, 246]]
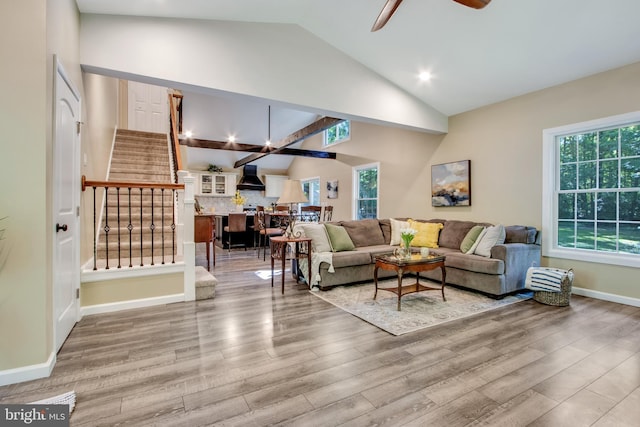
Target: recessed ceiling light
[[425, 76], [188, 134], [268, 142], [232, 138]]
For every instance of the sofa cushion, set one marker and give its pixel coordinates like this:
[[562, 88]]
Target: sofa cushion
[[396, 226], [385, 226], [339, 238], [454, 233], [350, 258], [493, 236], [471, 238], [427, 235], [318, 234], [520, 234], [364, 232], [475, 263]]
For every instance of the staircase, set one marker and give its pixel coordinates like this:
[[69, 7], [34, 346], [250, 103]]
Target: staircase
[[138, 157]]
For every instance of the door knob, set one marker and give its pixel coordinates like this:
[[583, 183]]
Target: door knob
[[62, 227]]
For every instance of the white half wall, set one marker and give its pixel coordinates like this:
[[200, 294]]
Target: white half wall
[[280, 62]]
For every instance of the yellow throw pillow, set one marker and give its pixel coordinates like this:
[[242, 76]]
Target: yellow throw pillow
[[428, 233]]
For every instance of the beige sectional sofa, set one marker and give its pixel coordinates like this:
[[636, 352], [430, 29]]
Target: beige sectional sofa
[[500, 274]]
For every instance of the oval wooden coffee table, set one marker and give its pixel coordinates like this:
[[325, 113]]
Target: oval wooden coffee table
[[415, 264]]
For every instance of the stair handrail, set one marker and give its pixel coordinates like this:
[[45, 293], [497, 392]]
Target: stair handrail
[[175, 139], [126, 184]]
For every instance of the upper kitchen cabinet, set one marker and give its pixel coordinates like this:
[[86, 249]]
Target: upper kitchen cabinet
[[217, 184]]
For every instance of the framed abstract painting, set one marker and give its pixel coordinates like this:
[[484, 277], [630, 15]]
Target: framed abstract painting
[[451, 184]]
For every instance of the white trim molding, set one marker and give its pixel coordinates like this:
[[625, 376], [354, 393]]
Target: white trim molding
[[28, 373], [127, 305], [605, 296]]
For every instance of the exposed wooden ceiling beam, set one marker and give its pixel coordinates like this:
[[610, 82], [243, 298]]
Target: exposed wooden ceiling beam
[[314, 128], [250, 148]]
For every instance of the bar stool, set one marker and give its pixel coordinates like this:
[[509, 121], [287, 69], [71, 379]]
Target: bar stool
[[237, 225]]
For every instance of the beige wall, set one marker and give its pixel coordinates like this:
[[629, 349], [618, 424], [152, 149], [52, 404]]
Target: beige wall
[[25, 278], [402, 154], [112, 291], [31, 33], [504, 143], [101, 106]]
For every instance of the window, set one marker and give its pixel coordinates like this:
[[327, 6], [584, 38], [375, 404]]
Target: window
[[366, 180], [591, 191], [338, 133], [311, 189]]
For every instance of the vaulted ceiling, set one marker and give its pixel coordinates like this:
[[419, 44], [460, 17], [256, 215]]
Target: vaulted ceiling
[[475, 57]]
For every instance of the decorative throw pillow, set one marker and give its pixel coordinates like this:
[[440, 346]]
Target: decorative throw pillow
[[396, 226], [470, 238], [428, 233], [472, 249], [339, 238], [318, 234], [494, 235]]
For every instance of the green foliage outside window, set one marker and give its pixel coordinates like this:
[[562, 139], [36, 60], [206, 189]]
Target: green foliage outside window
[[337, 133], [367, 193], [599, 190]]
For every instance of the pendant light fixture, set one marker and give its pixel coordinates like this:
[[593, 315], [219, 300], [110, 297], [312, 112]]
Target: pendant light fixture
[[268, 142]]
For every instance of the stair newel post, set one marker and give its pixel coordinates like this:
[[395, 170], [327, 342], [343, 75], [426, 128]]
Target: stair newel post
[[186, 212]]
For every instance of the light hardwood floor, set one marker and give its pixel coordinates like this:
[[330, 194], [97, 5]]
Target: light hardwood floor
[[252, 356]]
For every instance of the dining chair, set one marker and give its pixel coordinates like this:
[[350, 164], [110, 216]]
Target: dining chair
[[265, 233], [328, 213], [237, 225], [310, 213]]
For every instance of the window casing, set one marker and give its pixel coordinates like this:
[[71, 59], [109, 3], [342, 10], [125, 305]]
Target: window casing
[[591, 191], [366, 179], [311, 189], [338, 133]]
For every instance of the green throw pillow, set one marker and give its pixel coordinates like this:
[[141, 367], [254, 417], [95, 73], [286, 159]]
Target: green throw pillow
[[340, 240], [470, 238]]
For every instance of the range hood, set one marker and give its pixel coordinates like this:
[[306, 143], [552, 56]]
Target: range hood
[[250, 180]]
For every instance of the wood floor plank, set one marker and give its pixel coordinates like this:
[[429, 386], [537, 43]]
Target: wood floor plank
[[254, 357]]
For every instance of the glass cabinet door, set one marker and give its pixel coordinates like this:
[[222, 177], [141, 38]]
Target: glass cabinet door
[[220, 186], [206, 184]]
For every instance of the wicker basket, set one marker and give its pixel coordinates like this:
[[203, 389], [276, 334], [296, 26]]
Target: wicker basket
[[560, 299]]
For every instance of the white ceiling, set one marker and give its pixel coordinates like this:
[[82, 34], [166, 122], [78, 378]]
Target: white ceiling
[[477, 57]]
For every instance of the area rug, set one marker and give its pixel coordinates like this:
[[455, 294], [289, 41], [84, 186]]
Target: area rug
[[419, 310]]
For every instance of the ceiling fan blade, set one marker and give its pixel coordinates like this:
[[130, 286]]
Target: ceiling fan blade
[[476, 4], [385, 14]]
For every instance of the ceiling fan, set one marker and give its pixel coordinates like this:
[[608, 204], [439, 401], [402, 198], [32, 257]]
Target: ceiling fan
[[390, 7]]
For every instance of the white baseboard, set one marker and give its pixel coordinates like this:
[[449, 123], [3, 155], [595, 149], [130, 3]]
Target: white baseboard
[[606, 296], [127, 305], [28, 373]]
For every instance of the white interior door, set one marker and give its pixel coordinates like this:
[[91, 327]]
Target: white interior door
[[66, 194], [148, 109]]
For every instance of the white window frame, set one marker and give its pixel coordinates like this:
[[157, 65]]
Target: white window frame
[[355, 171], [550, 179], [305, 180], [338, 141]]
